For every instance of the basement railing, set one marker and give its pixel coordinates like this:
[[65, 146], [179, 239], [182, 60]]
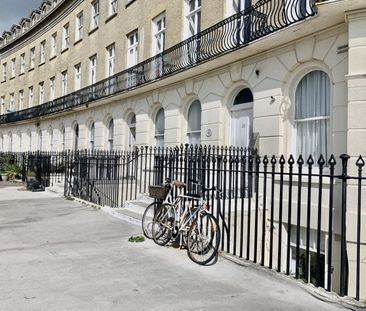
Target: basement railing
[[237, 31]]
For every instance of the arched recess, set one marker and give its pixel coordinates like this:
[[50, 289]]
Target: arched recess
[[75, 136], [20, 141], [50, 138], [1, 142], [62, 138], [110, 134], [10, 141], [39, 139], [241, 118], [91, 135], [29, 138], [194, 120], [312, 115], [131, 137], [159, 128]]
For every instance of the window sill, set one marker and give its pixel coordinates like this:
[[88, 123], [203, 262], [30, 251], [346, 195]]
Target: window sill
[[110, 17], [52, 57], [64, 50], [93, 30], [77, 41]]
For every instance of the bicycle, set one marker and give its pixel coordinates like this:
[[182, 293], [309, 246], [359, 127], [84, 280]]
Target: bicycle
[[192, 222]]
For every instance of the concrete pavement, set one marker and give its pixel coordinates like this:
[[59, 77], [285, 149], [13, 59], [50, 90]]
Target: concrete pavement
[[57, 254]]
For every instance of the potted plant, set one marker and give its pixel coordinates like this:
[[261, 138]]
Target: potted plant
[[12, 171]]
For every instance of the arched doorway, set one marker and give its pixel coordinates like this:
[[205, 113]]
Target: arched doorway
[[132, 132], [242, 119]]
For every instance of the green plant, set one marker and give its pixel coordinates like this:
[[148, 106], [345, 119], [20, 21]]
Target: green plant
[[136, 239], [12, 170]]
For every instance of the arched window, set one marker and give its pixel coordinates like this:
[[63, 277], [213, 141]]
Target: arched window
[[62, 138], [110, 134], [194, 123], [159, 128], [39, 136], [50, 137], [91, 136], [312, 114], [1, 142], [132, 132], [19, 141], [29, 134], [244, 96], [10, 139], [76, 136]]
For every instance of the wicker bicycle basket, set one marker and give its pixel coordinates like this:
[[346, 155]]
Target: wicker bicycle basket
[[158, 192]]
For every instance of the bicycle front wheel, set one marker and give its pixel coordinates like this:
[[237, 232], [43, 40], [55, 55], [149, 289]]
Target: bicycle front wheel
[[162, 225], [148, 217], [203, 240]]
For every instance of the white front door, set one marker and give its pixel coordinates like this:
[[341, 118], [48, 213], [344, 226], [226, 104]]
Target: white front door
[[241, 126]]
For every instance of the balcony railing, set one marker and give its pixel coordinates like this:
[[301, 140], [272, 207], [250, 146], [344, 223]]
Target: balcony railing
[[257, 21]]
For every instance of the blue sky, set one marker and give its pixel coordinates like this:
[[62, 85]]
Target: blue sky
[[11, 11]]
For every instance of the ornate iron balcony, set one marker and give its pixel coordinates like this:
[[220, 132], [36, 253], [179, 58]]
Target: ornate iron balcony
[[257, 21]]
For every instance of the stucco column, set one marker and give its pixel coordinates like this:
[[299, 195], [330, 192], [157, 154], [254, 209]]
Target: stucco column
[[356, 138]]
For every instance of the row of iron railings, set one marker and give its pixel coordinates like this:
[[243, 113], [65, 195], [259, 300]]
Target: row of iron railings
[[257, 21], [302, 217]]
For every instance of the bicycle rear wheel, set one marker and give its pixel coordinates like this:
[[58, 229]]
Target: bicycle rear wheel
[[148, 217], [203, 239], [162, 225]]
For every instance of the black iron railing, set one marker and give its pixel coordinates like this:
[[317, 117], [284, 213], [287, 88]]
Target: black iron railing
[[303, 217], [264, 18]]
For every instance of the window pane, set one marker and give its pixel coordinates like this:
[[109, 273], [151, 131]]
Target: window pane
[[160, 122], [194, 117]]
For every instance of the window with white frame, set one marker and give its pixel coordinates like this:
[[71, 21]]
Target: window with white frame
[[30, 97], [112, 7], [63, 83], [312, 115], [236, 6], [193, 17], [32, 58], [52, 88], [159, 34], [77, 77], [22, 63], [21, 99], [91, 136], [110, 134], [2, 104], [93, 69], [79, 26], [66, 37], [159, 128], [4, 72], [54, 44], [41, 93], [13, 68], [133, 44], [110, 61], [94, 22], [62, 138], [194, 123], [42, 52], [12, 107]]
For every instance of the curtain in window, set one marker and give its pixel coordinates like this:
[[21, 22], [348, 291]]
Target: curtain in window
[[194, 123], [159, 128], [312, 113]]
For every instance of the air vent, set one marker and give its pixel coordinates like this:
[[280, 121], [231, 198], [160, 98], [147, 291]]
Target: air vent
[[342, 49]]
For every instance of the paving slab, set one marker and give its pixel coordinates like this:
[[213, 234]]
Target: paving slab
[[57, 254]]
